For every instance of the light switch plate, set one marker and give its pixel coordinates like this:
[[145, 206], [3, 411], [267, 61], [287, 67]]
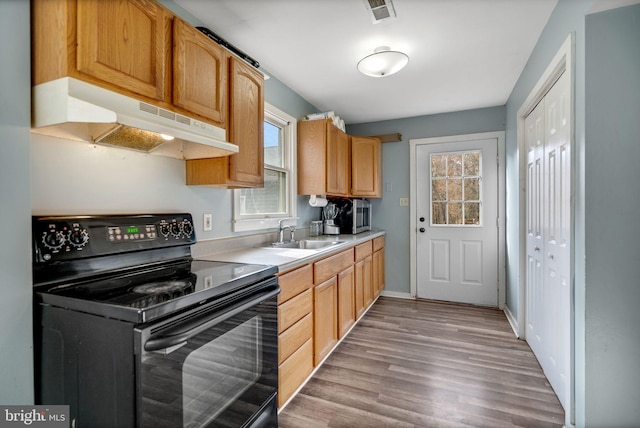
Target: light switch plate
[[404, 202]]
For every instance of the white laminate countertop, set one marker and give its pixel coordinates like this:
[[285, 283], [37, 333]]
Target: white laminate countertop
[[289, 258]]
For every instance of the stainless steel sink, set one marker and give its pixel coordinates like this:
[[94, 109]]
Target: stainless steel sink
[[307, 244]]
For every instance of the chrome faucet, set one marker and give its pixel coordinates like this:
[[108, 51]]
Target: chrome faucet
[[281, 228]]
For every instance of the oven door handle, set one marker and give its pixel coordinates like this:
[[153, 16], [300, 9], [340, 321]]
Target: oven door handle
[[197, 326]]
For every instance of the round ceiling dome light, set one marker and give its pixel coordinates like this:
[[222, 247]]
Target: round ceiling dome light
[[383, 62]]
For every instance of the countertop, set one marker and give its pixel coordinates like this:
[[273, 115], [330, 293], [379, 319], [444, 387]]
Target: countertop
[[290, 258]]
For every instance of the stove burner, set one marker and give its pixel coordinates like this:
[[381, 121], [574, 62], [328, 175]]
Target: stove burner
[[161, 287]]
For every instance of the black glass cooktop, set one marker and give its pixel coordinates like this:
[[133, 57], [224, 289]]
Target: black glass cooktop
[[149, 293]]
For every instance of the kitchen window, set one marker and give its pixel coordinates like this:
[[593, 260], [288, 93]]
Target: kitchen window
[[262, 208]]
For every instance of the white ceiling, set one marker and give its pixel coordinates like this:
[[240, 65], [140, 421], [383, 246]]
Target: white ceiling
[[464, 54]]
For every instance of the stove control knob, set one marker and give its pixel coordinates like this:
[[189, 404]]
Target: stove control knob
[[176, 229], [187, 228], [53, 240], [165, 229], [78, 237]]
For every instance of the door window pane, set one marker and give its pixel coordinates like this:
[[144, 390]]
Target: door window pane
[[438, 165], [439, 189], [456, 188], [439, 213]]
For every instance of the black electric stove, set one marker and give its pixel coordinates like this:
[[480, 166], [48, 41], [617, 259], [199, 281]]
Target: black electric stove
[[130, 331]]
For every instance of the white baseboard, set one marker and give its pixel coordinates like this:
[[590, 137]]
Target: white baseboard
[[512, 321], [396, 294]]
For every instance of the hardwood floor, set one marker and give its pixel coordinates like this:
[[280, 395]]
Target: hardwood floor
[[427, 364]]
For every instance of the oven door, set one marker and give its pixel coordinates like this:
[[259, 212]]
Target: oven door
[[216, 365]]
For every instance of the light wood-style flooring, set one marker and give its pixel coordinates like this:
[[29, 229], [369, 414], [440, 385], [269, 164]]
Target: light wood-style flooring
[[427, 364]]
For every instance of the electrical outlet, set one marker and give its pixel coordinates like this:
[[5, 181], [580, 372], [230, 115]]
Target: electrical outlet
[[404, 202], [208, 222]]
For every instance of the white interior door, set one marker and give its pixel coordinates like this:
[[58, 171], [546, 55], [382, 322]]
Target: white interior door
[[457, 221], [548, 190]]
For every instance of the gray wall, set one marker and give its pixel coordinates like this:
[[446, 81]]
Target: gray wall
[[612, 175], [568, 17], [607, 382], [387, 212], [16, 361]]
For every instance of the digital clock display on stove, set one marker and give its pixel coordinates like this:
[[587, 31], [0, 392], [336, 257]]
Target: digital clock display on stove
[[132, 233]]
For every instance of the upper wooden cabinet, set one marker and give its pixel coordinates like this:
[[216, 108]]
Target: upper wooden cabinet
[[333, 163], [121, 45], [134, 47], [366, 167], [323, 159], [246, 126], [199, 73]]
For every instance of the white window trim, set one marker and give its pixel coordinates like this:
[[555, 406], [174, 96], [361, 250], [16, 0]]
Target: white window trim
[[244, 223]]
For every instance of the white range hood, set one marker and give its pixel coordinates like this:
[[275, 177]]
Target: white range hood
[[72, 109]]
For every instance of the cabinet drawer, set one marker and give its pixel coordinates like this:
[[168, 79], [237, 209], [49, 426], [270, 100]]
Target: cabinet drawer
[[295, 282], [363, 250], [294, 370], [294, 309], [331, 266], [378, 243], [293, 337]]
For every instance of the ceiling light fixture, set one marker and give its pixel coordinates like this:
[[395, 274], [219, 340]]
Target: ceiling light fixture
[[383, 62]]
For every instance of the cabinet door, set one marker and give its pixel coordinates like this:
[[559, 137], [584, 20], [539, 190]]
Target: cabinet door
[[312, 157], [125, 43], [362, 277], [325, 307], [368, 282], [199, 73], [378, 272], [338, 162], [346, 304], [246, 128], [366, 167]]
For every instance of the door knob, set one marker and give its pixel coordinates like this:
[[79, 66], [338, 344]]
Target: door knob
[[422, 230]]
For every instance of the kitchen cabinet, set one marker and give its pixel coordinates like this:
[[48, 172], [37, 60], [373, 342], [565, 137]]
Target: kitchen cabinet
[[324, 158], [330, 162], [123, 46], [246, 130], [135, 47], [363, 280], [295, 330], [366, 167], [327, 274], [317, 306], [346, 304], [199, 73], [378, 265], [325, 309]]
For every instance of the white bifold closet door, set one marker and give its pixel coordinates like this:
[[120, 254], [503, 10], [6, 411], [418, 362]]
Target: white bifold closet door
[[548, 239]]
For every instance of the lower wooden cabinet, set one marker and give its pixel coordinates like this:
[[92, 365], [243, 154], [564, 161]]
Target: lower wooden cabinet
[[295, 329], [325, 323], [294, 370], [318, 305], [362, 284], [346, 303], [378, 265]]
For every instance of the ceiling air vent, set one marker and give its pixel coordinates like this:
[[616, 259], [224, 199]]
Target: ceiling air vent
[[380, 10]]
